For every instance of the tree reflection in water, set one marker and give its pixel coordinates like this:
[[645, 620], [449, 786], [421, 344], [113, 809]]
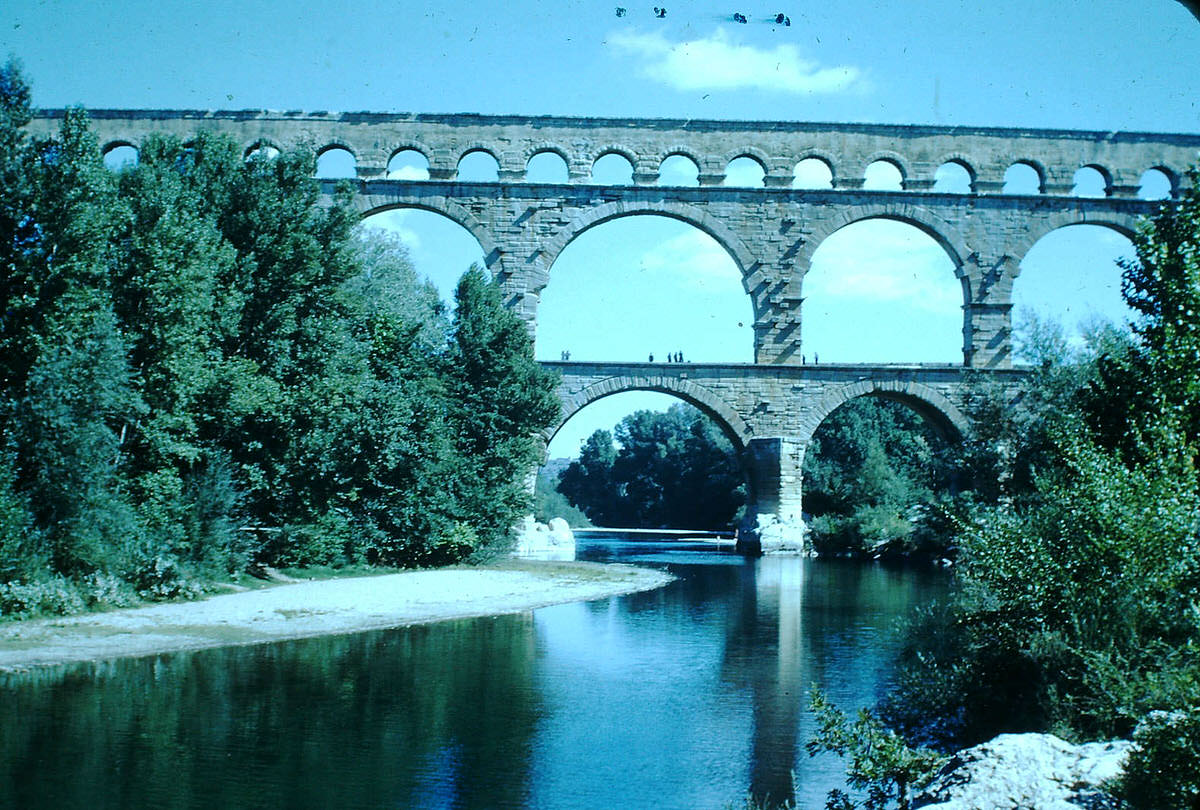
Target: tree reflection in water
[[686, 697]]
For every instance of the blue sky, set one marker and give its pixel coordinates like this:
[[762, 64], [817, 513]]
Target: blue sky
[[1046, 63]]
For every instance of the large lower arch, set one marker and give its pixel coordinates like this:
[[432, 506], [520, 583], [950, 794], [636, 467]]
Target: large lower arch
[[942, 414], [725, 416], [692, 215]]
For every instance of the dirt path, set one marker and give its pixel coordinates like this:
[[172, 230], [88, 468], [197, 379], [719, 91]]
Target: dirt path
[[316, 608]]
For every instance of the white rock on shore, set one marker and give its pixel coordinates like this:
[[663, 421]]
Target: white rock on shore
[[553, 541], [1020, 771]]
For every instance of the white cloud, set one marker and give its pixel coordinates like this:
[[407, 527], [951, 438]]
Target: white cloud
[[409, 173], [718, 63], [885, 262], [693, 256], [395, 223]]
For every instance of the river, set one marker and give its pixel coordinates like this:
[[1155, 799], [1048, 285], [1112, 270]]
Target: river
[[686, 697]]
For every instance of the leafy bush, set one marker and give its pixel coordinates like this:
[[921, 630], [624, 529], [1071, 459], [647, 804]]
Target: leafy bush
[[162, 578], [881, 762], [56, 596], [325, 541], [1161, 771]]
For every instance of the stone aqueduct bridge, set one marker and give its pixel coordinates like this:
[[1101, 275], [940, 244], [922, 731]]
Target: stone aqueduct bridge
[[771, 407]]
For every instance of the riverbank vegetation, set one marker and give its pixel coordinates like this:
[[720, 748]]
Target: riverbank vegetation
[[1077, 602], [204, 370]]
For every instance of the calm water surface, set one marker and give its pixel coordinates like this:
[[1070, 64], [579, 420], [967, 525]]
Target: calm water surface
[[685, 697]]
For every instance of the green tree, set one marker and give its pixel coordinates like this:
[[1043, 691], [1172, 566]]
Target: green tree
[[74, 403], [674, 469], [502, 398], [874, 475], [587, 482], [168, 302], [196, 345]]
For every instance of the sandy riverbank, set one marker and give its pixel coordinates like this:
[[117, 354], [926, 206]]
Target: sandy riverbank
[[302, 609]]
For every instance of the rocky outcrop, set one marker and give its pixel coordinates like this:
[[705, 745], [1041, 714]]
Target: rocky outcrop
[[553, 541], [1022, 771]]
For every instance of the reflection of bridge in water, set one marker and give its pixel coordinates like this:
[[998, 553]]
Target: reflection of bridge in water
[[770, 408]]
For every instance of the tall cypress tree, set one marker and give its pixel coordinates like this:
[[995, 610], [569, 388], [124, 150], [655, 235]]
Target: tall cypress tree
[[502, 398]]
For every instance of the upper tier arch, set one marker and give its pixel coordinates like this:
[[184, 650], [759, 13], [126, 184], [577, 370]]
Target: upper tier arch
[[690, 214]]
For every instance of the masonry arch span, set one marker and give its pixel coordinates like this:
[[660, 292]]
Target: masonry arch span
[[868, 285], [883, 174], [336, 162], [745, 171], [954, 176], [371, 205], [813, 172], [639, 286], [670, 462], [679, 169], [1123, 224], [477, 165], [1069, 281], [119, 155], [1158, 183], [1092, 180], [709, 403], [1024, 177], [547, 163], [612, 169], [682, 212], [261, 148], [873, 465], [408, 163], [943, 416], [946, 234], [682, 150], [439, 246]]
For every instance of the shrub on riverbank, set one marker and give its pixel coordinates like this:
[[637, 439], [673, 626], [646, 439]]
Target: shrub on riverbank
[[874, 476]]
